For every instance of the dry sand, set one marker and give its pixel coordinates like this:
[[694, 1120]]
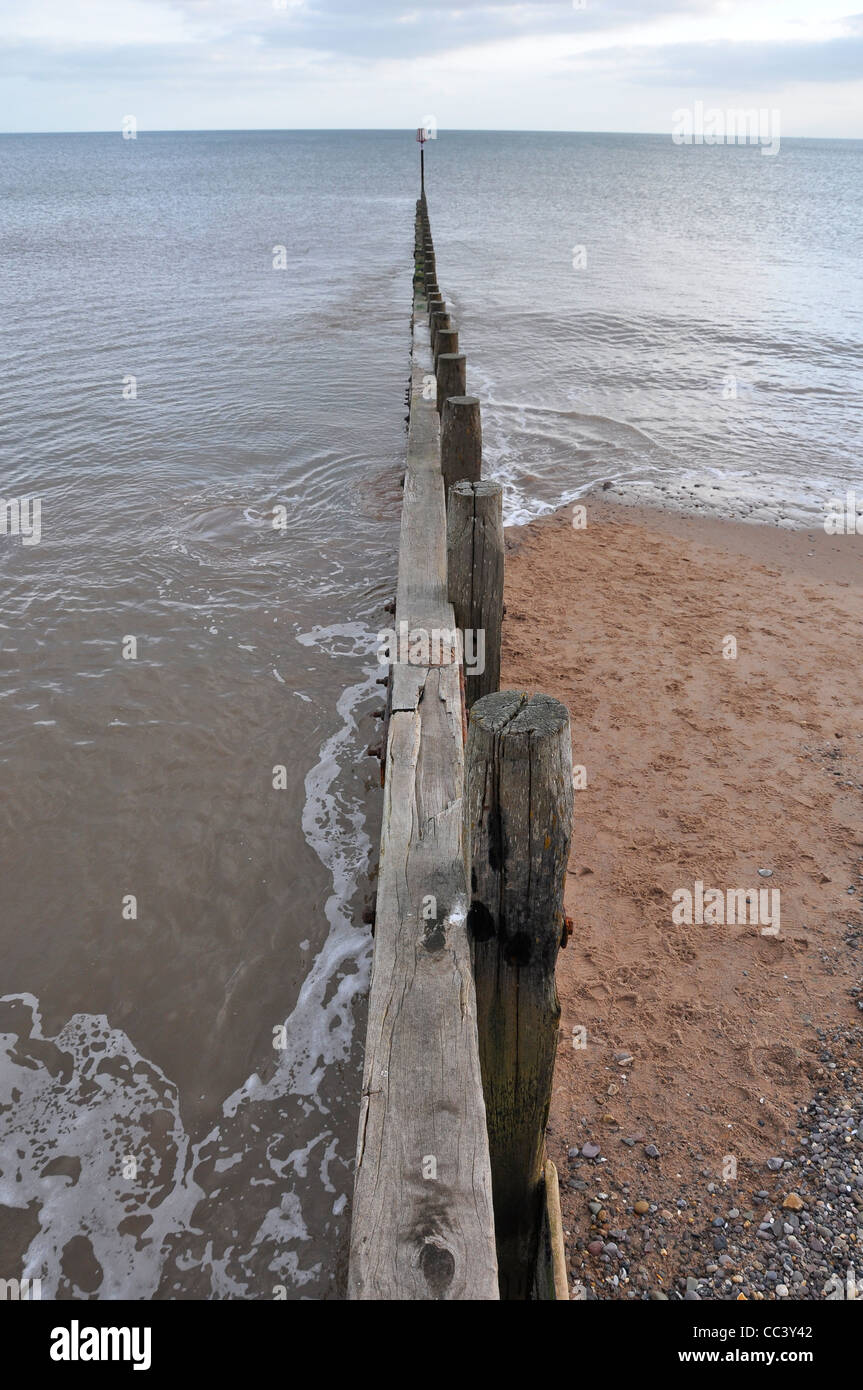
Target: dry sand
[[698, 768]]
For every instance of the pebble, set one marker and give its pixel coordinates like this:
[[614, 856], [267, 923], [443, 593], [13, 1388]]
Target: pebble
[[590, 1150], [794, 1246]]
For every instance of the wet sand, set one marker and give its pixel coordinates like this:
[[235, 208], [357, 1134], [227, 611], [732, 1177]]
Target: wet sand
[[698, 768]]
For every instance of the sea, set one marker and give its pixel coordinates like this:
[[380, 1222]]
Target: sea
[[204, 353]]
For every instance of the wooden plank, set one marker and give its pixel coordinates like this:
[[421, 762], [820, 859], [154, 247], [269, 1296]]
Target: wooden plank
[[421, 598], [423, 1226], [550, 1283]]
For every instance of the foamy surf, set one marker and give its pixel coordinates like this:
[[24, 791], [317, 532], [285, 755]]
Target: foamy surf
[[98, 1147]]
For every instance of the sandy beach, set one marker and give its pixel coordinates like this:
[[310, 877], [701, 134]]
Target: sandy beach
[[691, 1054]]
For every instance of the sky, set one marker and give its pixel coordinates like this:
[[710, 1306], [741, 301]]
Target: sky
[[615, 65]]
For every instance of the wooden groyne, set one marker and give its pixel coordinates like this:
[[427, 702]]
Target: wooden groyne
[[454, 1197]]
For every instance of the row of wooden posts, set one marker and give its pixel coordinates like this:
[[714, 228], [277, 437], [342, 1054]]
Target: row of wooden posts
[[499, 887], [474, 507], [519, 818]]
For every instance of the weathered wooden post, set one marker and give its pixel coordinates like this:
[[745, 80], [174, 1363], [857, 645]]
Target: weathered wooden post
[[445, 339], [438, 320], [460, 441], [474, 543], [518, 809], [451, 376]]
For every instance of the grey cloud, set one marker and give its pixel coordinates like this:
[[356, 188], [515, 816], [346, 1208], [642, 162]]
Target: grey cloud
[[263, 48], [737, 66], [413, 28], [246, 34]]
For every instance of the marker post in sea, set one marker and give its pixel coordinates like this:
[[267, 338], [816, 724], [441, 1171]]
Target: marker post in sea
[[422, 136]]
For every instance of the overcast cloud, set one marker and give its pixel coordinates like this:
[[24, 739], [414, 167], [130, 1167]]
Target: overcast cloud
[[537, 64]]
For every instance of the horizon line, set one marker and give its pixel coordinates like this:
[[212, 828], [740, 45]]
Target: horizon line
[[391, 130]]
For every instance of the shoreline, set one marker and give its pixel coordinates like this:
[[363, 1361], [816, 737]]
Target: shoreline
[[756, 538], [702, 769], [736, 499]]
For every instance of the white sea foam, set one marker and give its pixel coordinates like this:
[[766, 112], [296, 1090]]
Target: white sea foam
[[89, 1098]]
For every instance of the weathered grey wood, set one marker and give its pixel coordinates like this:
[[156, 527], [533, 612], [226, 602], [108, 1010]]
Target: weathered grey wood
[[416, 1236], [445, 339], [421, 595], [435, 307], [475, 562], [434, 300], [460, 441], [438, 319], [422, 1218], [550, 1284], [421, 598], [519, 824], [451, 376]]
